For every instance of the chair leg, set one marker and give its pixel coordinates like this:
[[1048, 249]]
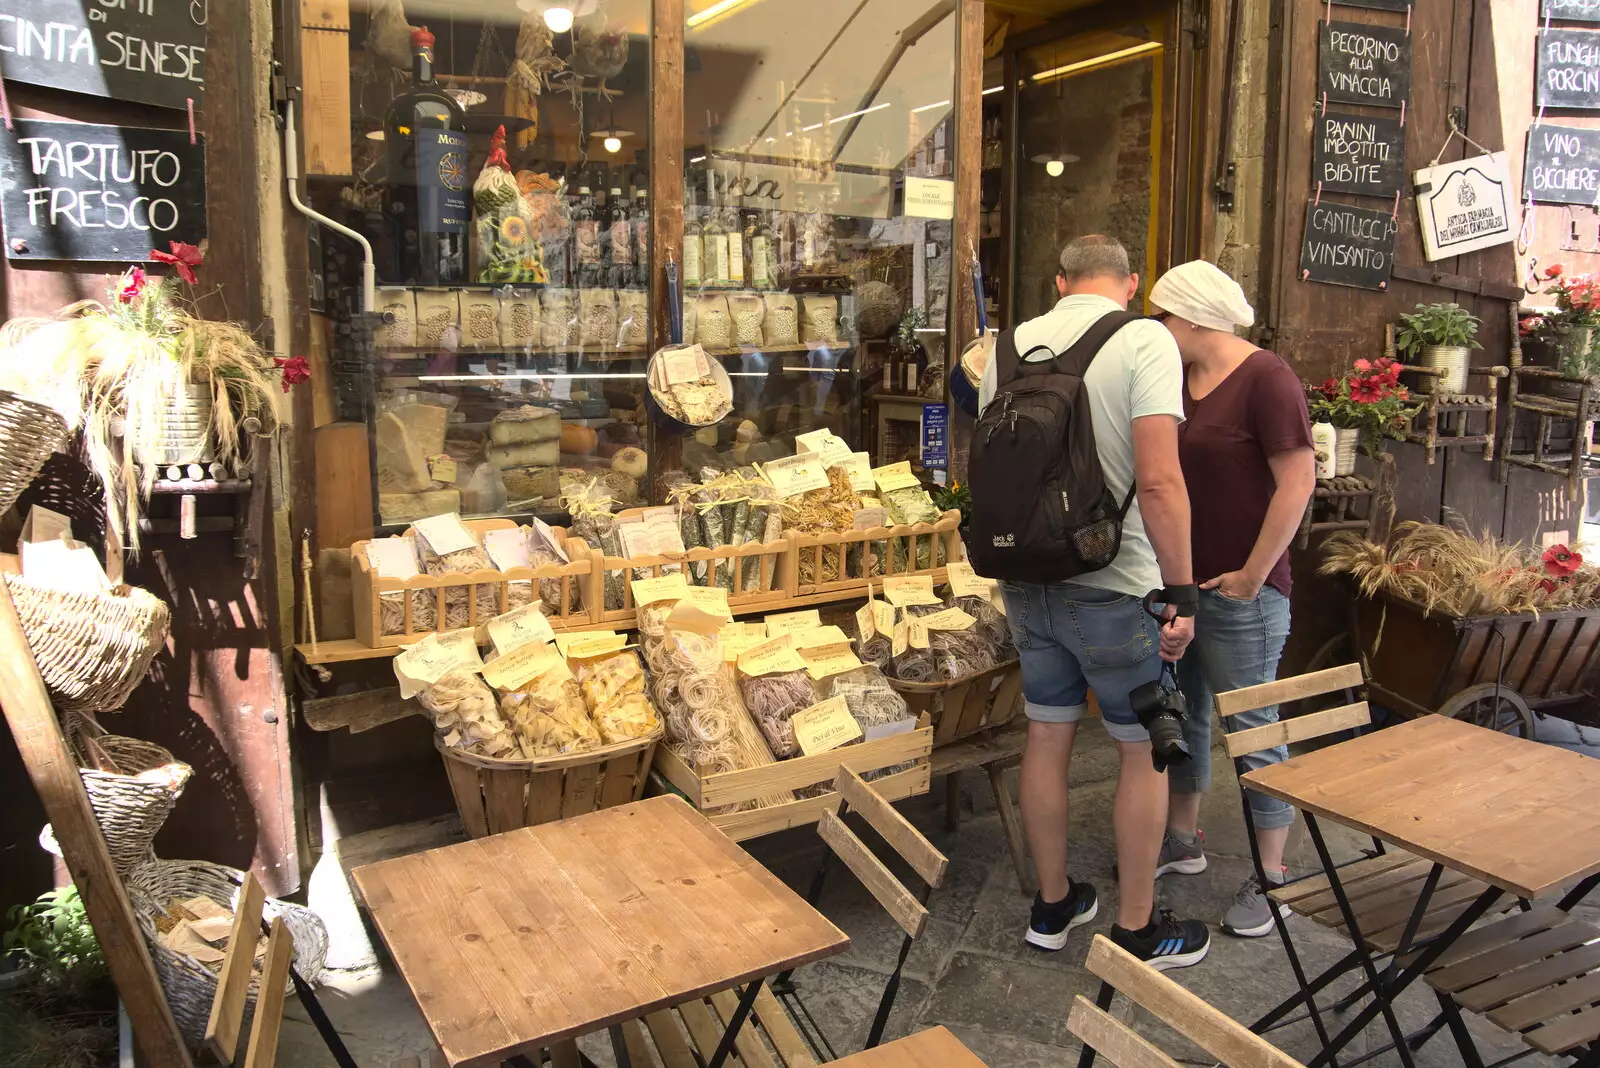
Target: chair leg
[[1102, 1001]]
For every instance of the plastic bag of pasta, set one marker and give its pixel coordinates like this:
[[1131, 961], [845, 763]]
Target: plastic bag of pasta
[[549, 716], [544, 550], [448, 548], [593, 522], [604, 681], [772, 700], [396, 558], [627, 718], [992, 626], [872, 700], [905, 507], [465, 715]]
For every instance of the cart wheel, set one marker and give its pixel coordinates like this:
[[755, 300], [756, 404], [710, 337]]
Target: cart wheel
[[1335, 651], [1503, 711]]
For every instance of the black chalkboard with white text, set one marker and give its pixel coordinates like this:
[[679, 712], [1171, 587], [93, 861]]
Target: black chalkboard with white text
[[150, 51], [1562, 165], [1571, 10], [77, 191], [1347, 246], [1363, 154], [1567, 71], [1359, 64]]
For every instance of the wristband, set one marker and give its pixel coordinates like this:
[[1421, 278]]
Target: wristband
[[1184, 600]]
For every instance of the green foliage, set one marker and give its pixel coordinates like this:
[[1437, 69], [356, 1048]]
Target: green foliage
[[1445, 323], [956, 497], [53, 937]]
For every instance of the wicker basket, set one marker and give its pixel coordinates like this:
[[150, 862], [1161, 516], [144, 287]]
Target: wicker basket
[[189, 984], [877, 308], [130, 810], [29, 433], [92, 648], [495, 795], [965, 706]]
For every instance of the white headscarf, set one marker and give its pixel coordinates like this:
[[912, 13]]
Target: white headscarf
[[1201, 293]]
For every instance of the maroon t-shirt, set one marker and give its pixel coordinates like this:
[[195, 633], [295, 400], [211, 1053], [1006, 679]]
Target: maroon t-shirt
[[1257, 411]]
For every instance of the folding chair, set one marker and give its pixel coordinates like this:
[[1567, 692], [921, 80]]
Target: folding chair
[[1378, 892], [1230, 1042], [225, 1024]]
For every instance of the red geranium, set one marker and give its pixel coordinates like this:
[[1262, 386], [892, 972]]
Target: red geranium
[[1561, 561], [1330, 388], [132, 285], [1366, 390], [295, 370], [1553, 271], [184, 258]]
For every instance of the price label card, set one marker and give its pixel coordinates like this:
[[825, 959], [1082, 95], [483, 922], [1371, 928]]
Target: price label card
[[519, 627], [894, 477], [737, 640], [818, 636], [832, 448], [521, 665], [790, 622], [824, 726], [774, 654], [685, 365], [444, 533], [548, 536], [794, 475], [689, 616], [866, 625], [712, 600], [507, 548], [566, 640], [859, 466], [869, 519], [663, 588], [918, 634], [902, 638], [826, 660], [589, 647], [907, 590], [889, 730], [882, 616], [442, 468], [428, 661], [965, 582], [949, 619], [394, 558]]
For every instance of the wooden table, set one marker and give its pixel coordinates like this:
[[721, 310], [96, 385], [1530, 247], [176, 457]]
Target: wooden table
[[523, 940], [1514, 814]]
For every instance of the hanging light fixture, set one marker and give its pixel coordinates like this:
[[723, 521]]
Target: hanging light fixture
[[558, 18]]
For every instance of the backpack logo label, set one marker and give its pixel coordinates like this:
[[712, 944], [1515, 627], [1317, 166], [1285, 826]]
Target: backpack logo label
[[1005, 541]]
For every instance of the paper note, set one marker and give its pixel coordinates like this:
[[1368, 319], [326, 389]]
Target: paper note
[[882, 616], [859, 466], [689, 616], [712, 600], [813, 637], [889, 730], [949, 619], [519, 627], [662, 588], [442, 468], [790, 622], [444, 533], [826, 660], [65, 565], [965, 582], [394, 558], [566, 640], [426, 662], [736, 640], [774, 654], [684, 365], [590, 646], [866, 626], [901, 639], [522, 665], [869, 519], [832, 449], [793, 475], [894, 476], [907, 590], [824, 726], [507, 548], [548, 536]]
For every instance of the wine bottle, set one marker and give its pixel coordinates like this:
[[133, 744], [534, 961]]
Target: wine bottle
[[763, 271], [736, 256], [425, 148], [693, 241], [620, 242], [641, 236], [586, 255], [716, 237]]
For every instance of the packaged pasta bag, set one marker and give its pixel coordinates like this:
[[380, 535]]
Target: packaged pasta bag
[[440, 671], [396, 558], [548, 715], [593, 522], [873, 703], [604, 680], [545, 548], [447, 547], [626, 718], [772, 700]]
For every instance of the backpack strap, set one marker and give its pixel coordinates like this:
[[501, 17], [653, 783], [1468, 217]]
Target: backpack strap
[[1006, 359], [1076, 360]]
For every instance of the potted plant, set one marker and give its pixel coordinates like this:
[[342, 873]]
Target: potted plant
[[1565, 338], [1365, 406], [1443, 334], [147, 380]]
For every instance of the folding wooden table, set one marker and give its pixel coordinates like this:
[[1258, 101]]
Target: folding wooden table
[[1503, 814], [532, 938]]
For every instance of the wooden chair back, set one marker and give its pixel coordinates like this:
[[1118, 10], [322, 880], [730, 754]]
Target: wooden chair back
[[1300, 728], [1229, 1041], [912, 846], [226, 1021]]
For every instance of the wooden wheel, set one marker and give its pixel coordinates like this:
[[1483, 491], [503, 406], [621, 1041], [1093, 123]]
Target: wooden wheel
[[1499, 708], [1337, 650]]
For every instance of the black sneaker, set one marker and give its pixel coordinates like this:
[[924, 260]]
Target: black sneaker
[[1050, 923], [1166, 943]]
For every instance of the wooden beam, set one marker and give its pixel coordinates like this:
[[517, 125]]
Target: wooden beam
[[666, 207], [356, 712], [969, 173], [1461, 283], [898, 831], [908, 37], [55, 776]]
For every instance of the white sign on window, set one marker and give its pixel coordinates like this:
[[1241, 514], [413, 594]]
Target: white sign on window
[[1465, 206]]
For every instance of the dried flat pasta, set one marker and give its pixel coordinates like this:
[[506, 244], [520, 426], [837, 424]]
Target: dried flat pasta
[[604, 681], [549, 716], [465, 715], [628, 717], [462, 561], [773, 700]]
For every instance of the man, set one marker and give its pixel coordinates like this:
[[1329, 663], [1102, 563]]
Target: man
[[1092, 632]]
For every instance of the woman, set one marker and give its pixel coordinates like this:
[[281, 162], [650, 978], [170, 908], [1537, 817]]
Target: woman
[[1245, 448]]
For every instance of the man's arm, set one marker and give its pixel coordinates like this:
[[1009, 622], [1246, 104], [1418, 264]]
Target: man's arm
[[1163, 498]]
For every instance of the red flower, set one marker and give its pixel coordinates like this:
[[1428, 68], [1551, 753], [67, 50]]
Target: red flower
[[1546, 586], [132, 285], [184, 258], [1560, 560], [295, 370], [1330, 388], [1553, 271], [1363, 365], [1366, 390]]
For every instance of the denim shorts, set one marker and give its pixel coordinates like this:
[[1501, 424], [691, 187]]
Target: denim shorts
[[1072, 639], [1236, 644]]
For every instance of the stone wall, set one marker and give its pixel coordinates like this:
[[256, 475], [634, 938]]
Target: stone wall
[[1236, 237]]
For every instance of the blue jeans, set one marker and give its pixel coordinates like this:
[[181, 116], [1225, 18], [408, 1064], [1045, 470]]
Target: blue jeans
[[1072, 638], [1236, 644]]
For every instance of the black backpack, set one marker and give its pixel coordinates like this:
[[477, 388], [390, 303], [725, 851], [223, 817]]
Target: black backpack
[[1041, 510]]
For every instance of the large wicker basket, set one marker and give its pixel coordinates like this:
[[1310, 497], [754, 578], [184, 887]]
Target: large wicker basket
[[92, 648], [495, 795], [130, 809], [189, 984], [965, 706], [29, 433]]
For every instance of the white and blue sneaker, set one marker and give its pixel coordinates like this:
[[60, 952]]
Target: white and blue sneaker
[[1051, 922], [1166, 942]]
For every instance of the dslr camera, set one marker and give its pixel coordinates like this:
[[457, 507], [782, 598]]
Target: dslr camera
[[1160, 705]]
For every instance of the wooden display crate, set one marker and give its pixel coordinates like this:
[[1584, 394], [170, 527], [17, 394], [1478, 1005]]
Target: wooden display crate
[[855, 569], [710, 792], [368, 586], [771, 589], [960, 708], [494, 795]]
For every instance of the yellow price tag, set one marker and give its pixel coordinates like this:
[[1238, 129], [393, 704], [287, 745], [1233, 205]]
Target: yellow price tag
[[827, 660], [949, 619], [662, 588], [772, 655], [906, 590], [791, 622], [894, 477], [528, 662], [824, 726]]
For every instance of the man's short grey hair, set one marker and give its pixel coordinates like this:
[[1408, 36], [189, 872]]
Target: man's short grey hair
[[1093, 255]]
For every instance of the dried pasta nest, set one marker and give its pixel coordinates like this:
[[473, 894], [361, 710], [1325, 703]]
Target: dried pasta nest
[[878, 308], [748, 311]]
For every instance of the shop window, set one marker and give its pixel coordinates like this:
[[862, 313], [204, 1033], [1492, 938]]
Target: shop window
[[815, 261]]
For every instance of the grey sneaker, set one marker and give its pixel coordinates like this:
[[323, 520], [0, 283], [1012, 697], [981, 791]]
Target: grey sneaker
[[1250, 915], [1180, 858]]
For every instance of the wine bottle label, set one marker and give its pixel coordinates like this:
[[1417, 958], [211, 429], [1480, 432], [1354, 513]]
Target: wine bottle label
[[760, 269], [717, 258], [736, 258], [586, 233], [621, 243], [691, 259], [442, 181]]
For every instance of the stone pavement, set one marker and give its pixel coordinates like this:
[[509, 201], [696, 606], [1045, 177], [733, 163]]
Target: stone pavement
[[971, 971]]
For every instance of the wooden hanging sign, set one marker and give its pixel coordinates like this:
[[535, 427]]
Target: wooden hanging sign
[[118, 49], [1347, 246], [1360, 64]]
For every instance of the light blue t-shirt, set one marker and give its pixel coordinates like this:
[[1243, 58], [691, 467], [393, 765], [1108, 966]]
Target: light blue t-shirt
[[1136, 373]]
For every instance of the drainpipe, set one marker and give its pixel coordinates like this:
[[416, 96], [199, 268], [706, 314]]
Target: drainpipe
[[291, 167]]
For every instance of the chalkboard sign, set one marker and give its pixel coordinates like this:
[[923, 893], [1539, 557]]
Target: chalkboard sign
[[1362, 154], [75, 191], [1359, 64], [1347, 246], [1378, 5], [120, 49], [1562, 165], [1573, 10], [1567, 73]]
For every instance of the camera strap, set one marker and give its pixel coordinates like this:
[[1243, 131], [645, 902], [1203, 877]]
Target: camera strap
[[1184, 601]]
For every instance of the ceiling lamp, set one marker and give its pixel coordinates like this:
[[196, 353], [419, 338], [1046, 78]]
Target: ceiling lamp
[[1054, 168], [613, 144], [611, 138], [559, 19]]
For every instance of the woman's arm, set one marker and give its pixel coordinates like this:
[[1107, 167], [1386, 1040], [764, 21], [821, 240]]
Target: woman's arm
[[1295, 472]]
